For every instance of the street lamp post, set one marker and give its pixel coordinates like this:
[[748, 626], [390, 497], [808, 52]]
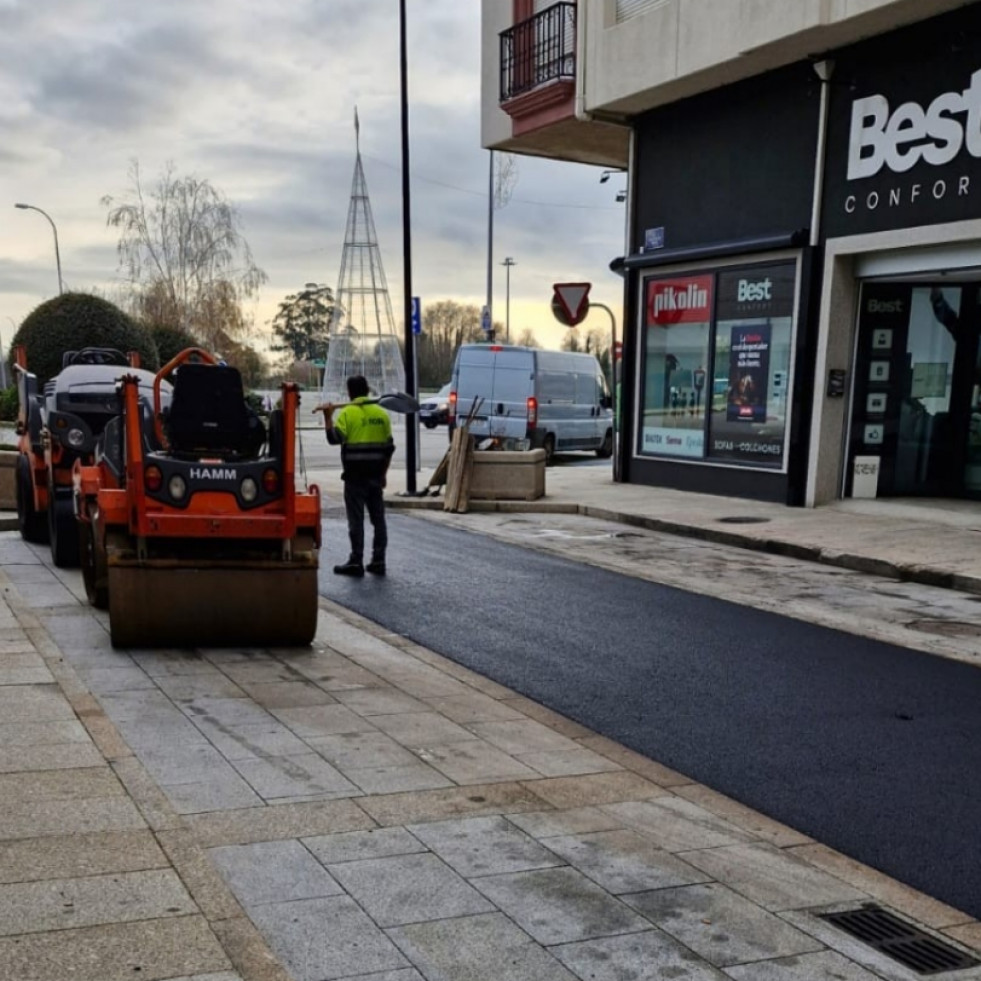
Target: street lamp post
[[32, 207], [507, 263]]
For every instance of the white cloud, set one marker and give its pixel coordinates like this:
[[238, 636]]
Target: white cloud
[[259, 98]]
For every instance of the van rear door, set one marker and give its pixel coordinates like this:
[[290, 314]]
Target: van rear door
[[514, 370]]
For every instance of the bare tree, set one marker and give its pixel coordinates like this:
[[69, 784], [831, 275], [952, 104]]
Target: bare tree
[[446, 325], [183, 252], [527, 338]]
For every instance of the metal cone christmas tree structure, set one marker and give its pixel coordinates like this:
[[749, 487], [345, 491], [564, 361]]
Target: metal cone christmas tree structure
[[363, 340]]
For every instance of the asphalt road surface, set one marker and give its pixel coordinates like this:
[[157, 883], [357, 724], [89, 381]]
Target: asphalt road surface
[[871, 749]]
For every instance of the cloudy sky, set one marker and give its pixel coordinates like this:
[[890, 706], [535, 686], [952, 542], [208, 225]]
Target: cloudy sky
[[258, 98]]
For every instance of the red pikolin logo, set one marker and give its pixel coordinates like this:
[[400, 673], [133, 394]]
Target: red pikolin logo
[[687, 300]]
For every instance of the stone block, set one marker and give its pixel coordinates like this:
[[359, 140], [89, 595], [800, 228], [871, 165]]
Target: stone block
[[503, 475]]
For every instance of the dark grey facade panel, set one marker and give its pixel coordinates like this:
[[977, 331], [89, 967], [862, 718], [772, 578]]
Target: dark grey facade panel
[[904, 136], [730, 164]]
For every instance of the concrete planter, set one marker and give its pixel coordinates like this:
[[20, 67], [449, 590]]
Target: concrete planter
[[502, 475], [8, 480]]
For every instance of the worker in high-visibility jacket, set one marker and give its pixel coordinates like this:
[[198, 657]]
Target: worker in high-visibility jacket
[[363, 431]]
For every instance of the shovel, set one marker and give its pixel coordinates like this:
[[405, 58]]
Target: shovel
[[394, 402]]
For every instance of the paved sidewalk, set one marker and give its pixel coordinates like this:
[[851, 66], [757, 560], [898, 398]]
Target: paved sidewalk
[[367, 810], [936, 542]]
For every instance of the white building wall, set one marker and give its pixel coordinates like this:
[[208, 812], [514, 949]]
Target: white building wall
[[495, 125], [669, 50]]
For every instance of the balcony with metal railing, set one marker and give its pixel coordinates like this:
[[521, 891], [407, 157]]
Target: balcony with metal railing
[[538, 51]]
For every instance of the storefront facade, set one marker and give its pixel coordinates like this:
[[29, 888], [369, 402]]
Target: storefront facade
[[804, 278], [719, 282], [901, 303]]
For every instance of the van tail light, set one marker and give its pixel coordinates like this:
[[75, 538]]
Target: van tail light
[[452, 409], [532, 411]]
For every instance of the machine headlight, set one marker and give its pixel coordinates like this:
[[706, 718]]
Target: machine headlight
[[177, 487], [76, 438], [250, 490]]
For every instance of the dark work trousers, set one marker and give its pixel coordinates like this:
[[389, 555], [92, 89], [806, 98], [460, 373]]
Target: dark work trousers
[[358, 495]]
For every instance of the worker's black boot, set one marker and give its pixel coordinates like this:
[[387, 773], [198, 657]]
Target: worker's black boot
[[376, 567], [353, 567]]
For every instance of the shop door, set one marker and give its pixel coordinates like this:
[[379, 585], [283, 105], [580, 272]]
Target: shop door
[[916, 417]]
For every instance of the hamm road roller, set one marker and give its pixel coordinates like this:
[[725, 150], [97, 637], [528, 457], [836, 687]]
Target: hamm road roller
[[192, 531]]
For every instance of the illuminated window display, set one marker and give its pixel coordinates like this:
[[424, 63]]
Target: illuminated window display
[[717, 357]]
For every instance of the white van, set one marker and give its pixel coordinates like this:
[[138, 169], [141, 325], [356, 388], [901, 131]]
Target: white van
[[527, 398]]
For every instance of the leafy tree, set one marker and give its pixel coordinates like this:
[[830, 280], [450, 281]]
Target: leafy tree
[[171, 340], [446, 325], [75, 320], [302, 323], [183, 252]]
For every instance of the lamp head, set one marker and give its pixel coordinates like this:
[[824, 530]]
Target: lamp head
[[21, 205]]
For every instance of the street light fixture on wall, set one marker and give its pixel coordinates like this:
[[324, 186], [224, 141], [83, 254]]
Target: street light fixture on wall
[[32, 207], [507, 263]]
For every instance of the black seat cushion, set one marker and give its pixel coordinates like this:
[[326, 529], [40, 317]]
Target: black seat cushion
[[208, 413]]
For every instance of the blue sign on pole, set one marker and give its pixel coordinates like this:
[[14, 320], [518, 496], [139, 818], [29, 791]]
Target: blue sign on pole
[[416, 315]]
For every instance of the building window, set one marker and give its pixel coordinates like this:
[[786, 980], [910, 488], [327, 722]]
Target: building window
[[717, 352]]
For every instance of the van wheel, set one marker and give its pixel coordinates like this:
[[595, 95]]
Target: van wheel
[[606, 450], [549, 447]]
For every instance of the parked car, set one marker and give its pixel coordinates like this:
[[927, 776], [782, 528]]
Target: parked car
[[435, 411]]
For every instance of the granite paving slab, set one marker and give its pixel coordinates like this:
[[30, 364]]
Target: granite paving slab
[[362, 750], [825, 966], [475, 762], [49, 756], [94, 781], [273, 872], [353, 846], [420, 730], [224, 791], [576, 820], [522, 736], [433, 805], [568, 763], [22, 819], [322, 720], [34, 703], [398, 779], [325, 939], [596, 788], [279, 821], [74, 856], [560, 905], [647, 956], [720, 925], [484, 846], [306, 775], [477, 948], [286, 694], [379, 701], [152, 950], [625, 861], [59, 904], [254, 740], [472, 707], [408, 889], [678, 825], [772, 878]]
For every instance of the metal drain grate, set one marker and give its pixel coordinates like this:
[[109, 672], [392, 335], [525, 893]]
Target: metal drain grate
[[901, 941]]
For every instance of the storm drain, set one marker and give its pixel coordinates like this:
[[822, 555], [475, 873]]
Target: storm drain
[[887, 933], [743, 519]]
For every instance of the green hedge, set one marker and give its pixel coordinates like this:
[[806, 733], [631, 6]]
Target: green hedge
[[8, 404], [76, 320]]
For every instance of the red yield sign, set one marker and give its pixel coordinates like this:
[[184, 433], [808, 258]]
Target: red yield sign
[[570, 304]]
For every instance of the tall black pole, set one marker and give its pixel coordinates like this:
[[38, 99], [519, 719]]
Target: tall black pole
[[411, 431]]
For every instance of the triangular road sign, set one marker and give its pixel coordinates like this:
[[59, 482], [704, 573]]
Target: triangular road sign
[[571, 302]]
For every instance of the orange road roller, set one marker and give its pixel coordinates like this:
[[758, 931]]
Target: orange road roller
[[192, 532]]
